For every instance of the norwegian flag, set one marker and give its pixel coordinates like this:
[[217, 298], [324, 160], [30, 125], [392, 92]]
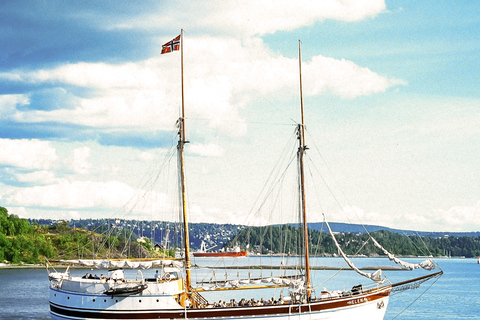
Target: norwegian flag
[[173, 45]]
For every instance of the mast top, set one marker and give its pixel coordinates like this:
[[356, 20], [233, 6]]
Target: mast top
[[301, 90]]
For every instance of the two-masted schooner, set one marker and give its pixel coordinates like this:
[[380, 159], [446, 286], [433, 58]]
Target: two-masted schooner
[[172, 295]]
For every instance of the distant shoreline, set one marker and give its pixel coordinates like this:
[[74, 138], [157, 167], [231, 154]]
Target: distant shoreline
[[21, 266], [40, 266]]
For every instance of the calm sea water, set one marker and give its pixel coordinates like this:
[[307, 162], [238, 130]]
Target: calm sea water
[[456, 295]]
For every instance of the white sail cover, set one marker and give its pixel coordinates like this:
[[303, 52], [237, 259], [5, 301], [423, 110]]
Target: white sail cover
[[375, 276], [427, 264], [131, 264]]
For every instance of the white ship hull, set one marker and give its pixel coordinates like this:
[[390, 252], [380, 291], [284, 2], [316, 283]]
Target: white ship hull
[[370, 305]]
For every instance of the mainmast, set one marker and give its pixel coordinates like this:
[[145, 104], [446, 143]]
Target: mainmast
[[183, 194], [301, 152]]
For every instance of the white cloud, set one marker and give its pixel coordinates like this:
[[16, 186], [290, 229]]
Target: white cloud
[[38, 177], [344, 78], [80, 157], [21, 212], [82, 195], [9, 103], [67, 195], [450, 118], [249, 17], [99, 75], [255, 17], [27, 154], [206, 150], [220, 78], [146, 156], [354, 214], [455, 219]]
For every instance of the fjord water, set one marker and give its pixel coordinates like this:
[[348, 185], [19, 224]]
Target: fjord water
[[24, 292]]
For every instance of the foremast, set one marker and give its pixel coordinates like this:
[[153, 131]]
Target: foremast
[[183, 194], [300, 154]]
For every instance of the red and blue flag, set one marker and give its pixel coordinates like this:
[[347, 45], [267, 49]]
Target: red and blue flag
[[173, 45]]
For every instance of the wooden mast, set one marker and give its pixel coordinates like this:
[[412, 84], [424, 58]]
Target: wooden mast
[[301, 152], [180, 147]]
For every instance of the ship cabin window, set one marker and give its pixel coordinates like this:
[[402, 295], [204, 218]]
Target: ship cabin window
[[170, 274]]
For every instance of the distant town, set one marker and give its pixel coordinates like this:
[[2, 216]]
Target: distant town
[[216, 236]]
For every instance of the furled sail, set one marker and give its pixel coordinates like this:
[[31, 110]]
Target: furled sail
[[277, 281], [427, 264], [375, 276], [131, 264]]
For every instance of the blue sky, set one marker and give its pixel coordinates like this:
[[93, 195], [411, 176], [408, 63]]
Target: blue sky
[[88, 107]]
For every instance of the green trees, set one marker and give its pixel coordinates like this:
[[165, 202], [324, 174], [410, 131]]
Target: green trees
[[16, 243], [21, 242], [287, 239], [24, 248]]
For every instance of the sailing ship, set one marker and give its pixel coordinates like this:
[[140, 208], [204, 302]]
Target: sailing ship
[[173, 295]]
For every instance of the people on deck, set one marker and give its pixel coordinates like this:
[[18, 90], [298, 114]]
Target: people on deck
[[248, 303]]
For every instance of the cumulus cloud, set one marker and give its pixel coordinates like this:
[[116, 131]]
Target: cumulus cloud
[[41, 177], [206, 150], [249, 17], [286, 15], [10, 102], [27, 154], [344, 78], [100, 75], [455, 219], [146, 156], [79, 195], [221, 75], [354, 214], [80, 157]]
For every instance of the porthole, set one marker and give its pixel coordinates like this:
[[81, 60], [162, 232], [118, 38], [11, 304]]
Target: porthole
[[158, 300], [139, 300], [104, 300], [93, 300], [68, 298]]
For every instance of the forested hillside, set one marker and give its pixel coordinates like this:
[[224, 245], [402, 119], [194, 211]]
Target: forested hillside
[[21, 242], [286, 239]]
